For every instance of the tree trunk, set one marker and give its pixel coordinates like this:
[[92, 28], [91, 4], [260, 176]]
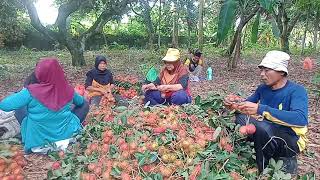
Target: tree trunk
[[77, 57], [189, 35], [304, 37], [200, 25], [189, 21], [76, 46], [233, 43], [284, 43], [237, 52], [151, 40], [175, 29], [285, 26], [159, 26], [316, 30], [150, 34], [284, 37], [148, 22], [243, 21], [233, 62]]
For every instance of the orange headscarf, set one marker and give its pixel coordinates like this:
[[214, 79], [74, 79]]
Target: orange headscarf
[[167, 77]]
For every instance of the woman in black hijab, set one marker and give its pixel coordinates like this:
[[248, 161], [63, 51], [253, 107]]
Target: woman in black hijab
[[97, 78]]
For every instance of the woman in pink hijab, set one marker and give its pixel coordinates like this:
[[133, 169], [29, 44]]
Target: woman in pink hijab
[[49, 116]]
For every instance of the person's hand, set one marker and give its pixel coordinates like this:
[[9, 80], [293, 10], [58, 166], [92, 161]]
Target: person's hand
[[144, 87], [232, 101], [227, 100], [147, 87], [162, 88], [248, 108], [152, 86]]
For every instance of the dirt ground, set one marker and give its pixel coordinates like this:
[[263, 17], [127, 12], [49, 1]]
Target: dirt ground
[[243, 80]]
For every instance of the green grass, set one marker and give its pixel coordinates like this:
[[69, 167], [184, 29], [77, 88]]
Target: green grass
[[132, 60]]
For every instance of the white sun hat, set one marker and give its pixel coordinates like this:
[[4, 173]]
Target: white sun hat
[[276, 60]]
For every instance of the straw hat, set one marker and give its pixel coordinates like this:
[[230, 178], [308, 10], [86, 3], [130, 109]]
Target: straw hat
[[172, 55]]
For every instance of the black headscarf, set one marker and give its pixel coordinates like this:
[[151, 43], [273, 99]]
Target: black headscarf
[[101, 77], [31, 79]]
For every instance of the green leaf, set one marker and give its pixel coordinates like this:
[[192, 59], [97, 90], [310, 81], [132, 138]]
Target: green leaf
[[113, 150], [120, 109], [197, 100], [57, 173], [50, 174], [204, 172], [279, 165], [153, 157], [115, 171], [308, 176], [141, 158], [185, 174], [81, 158], [287, 176], [272, 162], [124, 119], [216, 133], [266, 4], [275, 29], [226, 18], [67, 169], [255, 29], [157, 177]]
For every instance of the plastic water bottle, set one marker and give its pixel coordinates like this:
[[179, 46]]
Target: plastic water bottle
[[209, 73]]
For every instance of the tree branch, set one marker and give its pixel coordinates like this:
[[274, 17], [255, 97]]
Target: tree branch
[[65, 10], [294, 21], [35, 21], [154, 4], [278, 18], [250, 16], [104, 17], [139, 14]]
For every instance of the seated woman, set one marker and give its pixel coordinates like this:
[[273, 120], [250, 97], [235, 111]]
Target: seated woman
[[49, 116], [98, 78], [31, 79], [172, 85], [195, 65]]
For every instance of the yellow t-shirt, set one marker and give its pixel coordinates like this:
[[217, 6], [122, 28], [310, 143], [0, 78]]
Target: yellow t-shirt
[[200, 62]]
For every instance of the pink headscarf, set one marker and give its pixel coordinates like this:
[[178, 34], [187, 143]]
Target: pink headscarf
[[53, 90]]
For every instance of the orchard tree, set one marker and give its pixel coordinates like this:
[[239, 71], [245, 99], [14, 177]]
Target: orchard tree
[[144, 11], [105, 10], [11, 25], [244, 10]]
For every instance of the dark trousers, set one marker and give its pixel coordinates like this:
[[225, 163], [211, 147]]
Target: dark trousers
[[80, 111], [270, 140], [177, 98]]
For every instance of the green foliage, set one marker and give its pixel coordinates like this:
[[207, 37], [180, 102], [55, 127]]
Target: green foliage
[[3, 71], [266, 4], [274, 171], [226, 18], [307, 176], [12, 24], [255, 29], [275, 29], [316, 82]]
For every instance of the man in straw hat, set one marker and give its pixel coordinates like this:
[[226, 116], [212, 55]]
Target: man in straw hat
[[283, 104], [172, 85]]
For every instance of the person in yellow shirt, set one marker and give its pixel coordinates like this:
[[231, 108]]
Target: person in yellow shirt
[[195, 65]]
